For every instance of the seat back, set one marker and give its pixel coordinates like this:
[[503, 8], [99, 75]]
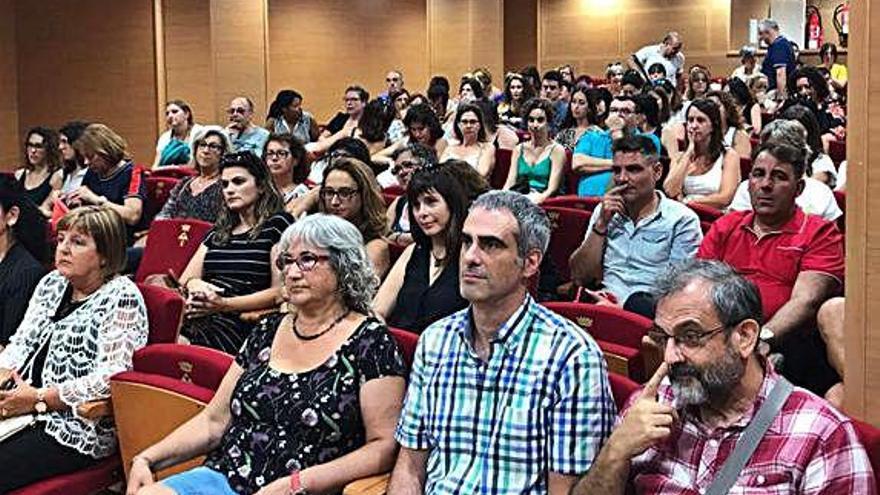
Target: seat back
[[158, 190], [502, 166], [176, 381], [170, 245], [174, 171], [394, 190], [618, 333], [570, 177], [745, 167], [407, 342], [164, 313], [837, 151], [621, 388], [706, 213], [870, 438], [573, 201], [568, 227], [88, 481]]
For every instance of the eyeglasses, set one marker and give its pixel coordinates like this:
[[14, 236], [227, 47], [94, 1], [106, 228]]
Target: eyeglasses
[[392, 79], [237, 110], [282, 154], [306, 261], [469, 122], [405, 165], [538, 120], [343, 193], [690, 339], [217, 148], [35, 146], [621, 111]]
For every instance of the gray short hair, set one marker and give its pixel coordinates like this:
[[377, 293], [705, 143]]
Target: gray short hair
[[734, 297], [534, 227], [768, 23], [356, 280]]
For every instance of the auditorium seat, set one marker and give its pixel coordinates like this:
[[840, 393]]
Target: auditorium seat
[[568, 226], [621, 388], [174, 171], [158, 190], [745, 167], [618, 333], [499, 172], [870, 437], [164, 313], [706, 213], [394, 252], [86, 482], [394, 191], [176, 381], [586, 203], [569, 176], [170, 245], [837, 151], [406, 342]]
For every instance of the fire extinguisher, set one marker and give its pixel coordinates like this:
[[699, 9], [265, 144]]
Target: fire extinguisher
[[815, 34], [841, 22]]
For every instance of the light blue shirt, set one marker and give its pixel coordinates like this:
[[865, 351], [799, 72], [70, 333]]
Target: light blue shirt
[[597, 144], [252, 139], [637, 253]]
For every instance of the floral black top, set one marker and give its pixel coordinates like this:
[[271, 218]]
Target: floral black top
[[282, 422]]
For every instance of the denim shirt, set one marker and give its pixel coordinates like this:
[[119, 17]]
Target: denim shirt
[[637, 253], [252, 140]]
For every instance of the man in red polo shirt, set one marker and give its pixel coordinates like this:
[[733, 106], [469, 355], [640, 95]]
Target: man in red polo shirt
[[795, 259]]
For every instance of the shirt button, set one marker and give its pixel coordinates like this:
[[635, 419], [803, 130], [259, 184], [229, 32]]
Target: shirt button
[[761, 479]]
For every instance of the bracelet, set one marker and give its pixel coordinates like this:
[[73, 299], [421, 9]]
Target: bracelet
[[296, 486], [599, 233]]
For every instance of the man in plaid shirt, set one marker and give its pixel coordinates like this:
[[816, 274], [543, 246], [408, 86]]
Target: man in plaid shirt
[[505, 397], [676, 434]]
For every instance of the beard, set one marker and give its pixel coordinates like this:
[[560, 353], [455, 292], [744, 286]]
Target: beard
[[694, 385]]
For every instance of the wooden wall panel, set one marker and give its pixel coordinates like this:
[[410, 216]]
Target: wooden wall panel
[[10, 147], [189, 61], [592, 33], [520, 34], [313, 51], [90, 59]]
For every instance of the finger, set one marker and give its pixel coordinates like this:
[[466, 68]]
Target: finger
[[19, 381], [617, 189], [653, 384]]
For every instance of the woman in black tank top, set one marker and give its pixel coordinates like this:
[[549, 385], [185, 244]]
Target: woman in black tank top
[[42, 159]]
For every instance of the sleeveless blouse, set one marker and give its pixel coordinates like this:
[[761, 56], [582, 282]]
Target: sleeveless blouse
[[38, 194], [707, 183], [420, 304], [538, 174]]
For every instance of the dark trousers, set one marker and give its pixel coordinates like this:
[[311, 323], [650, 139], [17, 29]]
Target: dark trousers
[[31, 455]]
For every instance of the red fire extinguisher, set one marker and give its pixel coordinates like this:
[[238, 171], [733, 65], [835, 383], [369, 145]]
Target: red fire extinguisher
[[841, 22], [815, 34]]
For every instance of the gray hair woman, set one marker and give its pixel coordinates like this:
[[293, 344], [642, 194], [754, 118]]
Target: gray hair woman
[[325, 377]]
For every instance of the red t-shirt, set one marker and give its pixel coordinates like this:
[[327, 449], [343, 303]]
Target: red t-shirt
[[806, 243]]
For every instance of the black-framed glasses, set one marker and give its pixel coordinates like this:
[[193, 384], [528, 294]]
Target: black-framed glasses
[[405, 165], [343, 193], [36, 146], [282, 154], [237, 110], [211, 146], [306, 261], [689, 339]]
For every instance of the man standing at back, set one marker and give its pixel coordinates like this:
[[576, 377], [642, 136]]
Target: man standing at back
[[505, 396], [779, 62], [668, 53]]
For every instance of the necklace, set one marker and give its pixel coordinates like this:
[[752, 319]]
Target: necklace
[[322, 332], [437, 261]]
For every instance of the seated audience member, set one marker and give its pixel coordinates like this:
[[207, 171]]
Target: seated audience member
[[470, 131], [551, 89], [349, 146], [345, 123], [23, 250], [839, 74], [592, 154], [82, 326], [760, 88], [373, 125], [656, 72], [809, 85], [697, 87], [175, 144], [830, 321], [636, 232], [492, 92], [796, 260], [549, 375], [661, 97], [286, 116], [422, 127], [581, 118], [517, 91], [230, 272], [502, 137], [74, 166], [244, 134], [732, 124], [407, 161], [746, 105], [470, 90], [113, 180], [537, 164], [567, 73], [310, 402], [631, 83], [394, 82], [816, 199], [749, 66], [474, 184], [422, 287], [201, 196], [285, 156], [820, 166], [667, 53], [399, 100], [41, 175], [648, 118], [350, 191], [441, 104], [613, 74], [706, 172], [678, 432]]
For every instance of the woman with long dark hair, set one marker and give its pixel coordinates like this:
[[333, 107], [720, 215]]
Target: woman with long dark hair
[[41, 175], [286, 116]]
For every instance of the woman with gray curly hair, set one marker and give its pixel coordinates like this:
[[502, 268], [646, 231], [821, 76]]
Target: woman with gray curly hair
[[311, 401]]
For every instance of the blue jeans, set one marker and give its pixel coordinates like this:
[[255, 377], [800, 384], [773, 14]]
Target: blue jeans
[[199, 481]]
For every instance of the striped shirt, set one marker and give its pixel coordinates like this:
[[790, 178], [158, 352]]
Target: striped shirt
[[542, 403]]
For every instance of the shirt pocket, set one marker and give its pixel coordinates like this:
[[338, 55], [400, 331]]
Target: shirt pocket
[[769, 481], [653, 247]]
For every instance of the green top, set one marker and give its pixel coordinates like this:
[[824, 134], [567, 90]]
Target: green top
[[538, 174]]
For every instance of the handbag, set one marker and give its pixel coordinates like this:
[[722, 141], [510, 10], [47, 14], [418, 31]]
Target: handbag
[[11, 426], [750, 438]]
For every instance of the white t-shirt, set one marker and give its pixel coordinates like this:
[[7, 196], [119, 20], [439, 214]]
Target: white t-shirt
[[841, 177], [817, 199], [823, 163], [653, 54]]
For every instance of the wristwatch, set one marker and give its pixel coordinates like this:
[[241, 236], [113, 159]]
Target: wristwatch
[[41, 407]]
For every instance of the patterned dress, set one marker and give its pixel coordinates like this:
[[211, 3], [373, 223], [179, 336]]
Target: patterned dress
[[285, 421]]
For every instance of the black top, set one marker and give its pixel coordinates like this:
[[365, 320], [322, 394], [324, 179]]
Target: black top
[[241, 266], [127, 181], [418, 304], [38, 194], [19, 275], [337, 123], [285, 421]]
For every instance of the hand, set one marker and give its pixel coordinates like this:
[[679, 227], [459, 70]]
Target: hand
[[83, 195], [612, 203], [280, 486], [615, 122], [202, 303], [139, 476], [646, 422], [602, 297], [20, 400]]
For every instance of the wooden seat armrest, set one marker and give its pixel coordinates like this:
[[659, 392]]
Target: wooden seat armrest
[[373, 485], [96, 409]]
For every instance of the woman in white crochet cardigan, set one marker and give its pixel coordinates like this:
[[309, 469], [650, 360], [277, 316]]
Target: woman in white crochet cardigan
[[82, 325]]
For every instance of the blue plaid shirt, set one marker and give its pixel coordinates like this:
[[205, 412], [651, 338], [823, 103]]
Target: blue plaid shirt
[[541, 404]]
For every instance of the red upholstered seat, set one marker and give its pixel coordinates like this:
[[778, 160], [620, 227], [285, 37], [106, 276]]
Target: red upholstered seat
[[870, 437], [568, 226], [407, 342], [621, 388], [706, 213], [837, 151], [85, 482], [619, 333], [190, 370], [170, 245], [500, 170], [573, 201], [388, 198], [394, 252], [164, 312], [569, 176], [174, 171], [394, 190], [158, 190]]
